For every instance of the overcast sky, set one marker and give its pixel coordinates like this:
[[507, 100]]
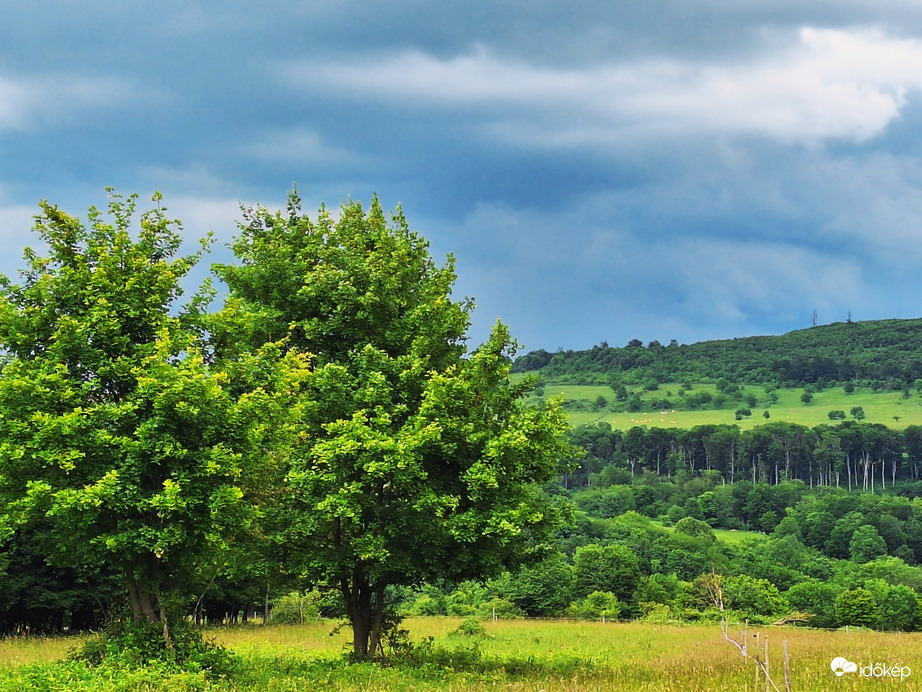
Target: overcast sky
[[602, 171]]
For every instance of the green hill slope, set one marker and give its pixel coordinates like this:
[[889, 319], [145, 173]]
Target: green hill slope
[[883, 353]]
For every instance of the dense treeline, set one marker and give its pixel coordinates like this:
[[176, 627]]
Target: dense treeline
[[648, 550], [850, 454], [885, 352]]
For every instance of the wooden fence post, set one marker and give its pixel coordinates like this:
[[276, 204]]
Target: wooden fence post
[[767, 675], [787, 667]]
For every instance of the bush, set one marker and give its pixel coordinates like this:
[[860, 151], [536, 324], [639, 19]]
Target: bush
[[135, 644], [470, 627], [596, 606]]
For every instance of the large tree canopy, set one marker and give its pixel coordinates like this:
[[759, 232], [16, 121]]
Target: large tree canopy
[[417, 460], [119, 446]]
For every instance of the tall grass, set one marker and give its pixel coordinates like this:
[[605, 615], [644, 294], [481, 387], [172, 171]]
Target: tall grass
[[554, 656], [19, 651]]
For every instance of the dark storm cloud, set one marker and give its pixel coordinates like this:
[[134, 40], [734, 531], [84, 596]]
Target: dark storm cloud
[[604, 171]]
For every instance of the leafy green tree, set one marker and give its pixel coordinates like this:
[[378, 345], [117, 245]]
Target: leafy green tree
[[417, 460], [838, 544], [857, 412], [866, 544], [816, 598], [696, 528], [121, 448], [899, 610], [657, 588], [856, 607], [544, 589], [754, 596], [596, 606], [613, 568]]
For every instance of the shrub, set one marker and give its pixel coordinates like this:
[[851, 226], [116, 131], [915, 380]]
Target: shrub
[[137, 644], [596, 606], [470, 627]]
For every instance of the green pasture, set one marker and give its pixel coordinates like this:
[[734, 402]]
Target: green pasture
[[728, 536], [555, 656], [886, 407]]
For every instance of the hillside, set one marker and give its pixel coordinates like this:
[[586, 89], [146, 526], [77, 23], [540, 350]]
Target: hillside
[[881, 353]]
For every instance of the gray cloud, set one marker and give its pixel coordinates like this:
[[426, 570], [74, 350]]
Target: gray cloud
[[611, 171]]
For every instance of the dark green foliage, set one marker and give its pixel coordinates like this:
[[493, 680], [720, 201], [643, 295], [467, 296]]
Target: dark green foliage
[[755, 596], [611, 568], [887, 351], [815, 598], [899, 610], [544, 589], [856, 607], [866, 544], [136, 644]]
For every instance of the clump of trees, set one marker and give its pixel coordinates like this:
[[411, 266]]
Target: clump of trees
[[329, 421], [635, 567]]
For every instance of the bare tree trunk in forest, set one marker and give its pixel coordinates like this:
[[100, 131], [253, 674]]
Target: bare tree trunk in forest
[[357, 602], [732, 461], [167, 639], [266, 606]]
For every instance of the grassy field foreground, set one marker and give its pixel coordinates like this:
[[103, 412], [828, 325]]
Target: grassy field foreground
[[513, 655]]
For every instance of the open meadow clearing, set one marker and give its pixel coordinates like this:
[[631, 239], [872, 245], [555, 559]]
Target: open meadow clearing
[[514, 655], [886, 407]]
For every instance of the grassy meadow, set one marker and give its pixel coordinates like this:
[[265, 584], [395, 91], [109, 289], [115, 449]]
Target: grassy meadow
[[511, 655], [879, 407]]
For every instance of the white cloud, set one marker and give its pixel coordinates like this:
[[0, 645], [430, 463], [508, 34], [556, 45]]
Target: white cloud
[[300, 144], [825, 84], [16, 223], [27, 104]]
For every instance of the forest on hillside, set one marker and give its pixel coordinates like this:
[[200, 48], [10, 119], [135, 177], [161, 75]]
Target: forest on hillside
[[850, 455], [884, 353]]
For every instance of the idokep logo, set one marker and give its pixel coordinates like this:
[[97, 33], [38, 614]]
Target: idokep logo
[[840, 666]]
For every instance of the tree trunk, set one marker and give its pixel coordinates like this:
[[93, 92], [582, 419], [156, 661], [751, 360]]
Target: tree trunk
[[358, 602], [142, 603], [377, 620], [266, 606]]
